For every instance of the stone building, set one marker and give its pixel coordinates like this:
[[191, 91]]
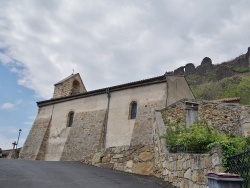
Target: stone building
[[120, 127], [76, 123]]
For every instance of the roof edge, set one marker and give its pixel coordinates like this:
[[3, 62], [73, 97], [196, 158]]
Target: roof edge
[[154, 80], [72, 75]]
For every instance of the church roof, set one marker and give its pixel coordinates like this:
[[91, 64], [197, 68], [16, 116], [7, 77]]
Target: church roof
[[149, 81], [71, 76]]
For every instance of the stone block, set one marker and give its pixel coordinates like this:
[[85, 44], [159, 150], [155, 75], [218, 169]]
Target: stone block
[[129, 164], [146, 156], [215, 160], [96, 158], [117, 156], [187, 174], [144, 168], [165, 172], [119, 166], [165, 164], [179, 165], [106, 159], [207, 162], [201, 176], [180, 174], [184, 165], [194, 176]]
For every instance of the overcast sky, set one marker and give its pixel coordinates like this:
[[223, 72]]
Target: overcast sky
[[108, 42]]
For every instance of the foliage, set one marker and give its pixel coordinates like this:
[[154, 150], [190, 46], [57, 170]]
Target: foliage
[[196, 138], [237, 86], [202, 137], [231, 145], [241, 69], [174, 129], [241, 89]]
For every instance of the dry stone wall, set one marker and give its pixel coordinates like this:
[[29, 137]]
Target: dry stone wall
[[137, 159], [182, 169], [189, 170], [225, 117]]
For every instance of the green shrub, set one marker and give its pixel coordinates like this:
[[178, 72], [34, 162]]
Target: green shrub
[[202, 137]]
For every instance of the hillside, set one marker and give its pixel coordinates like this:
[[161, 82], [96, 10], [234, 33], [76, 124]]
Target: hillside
[[228, 79]]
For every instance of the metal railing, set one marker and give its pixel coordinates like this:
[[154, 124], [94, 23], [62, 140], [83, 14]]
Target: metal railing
[[184, 149], [240, 164]]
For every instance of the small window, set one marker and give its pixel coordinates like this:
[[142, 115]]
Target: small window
[[133, 110], [70, 119]]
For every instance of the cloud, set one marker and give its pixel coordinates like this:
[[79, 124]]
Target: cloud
[[113, 42], [7, 106], [9, 134]]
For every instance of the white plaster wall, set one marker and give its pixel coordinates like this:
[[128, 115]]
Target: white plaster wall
[[120, 127], [177, 89]]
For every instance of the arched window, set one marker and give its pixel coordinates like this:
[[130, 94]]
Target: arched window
[[133, 110], [70, 119], [75, 87]]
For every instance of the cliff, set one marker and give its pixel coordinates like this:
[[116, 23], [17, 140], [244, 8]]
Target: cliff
[[214, 81], [207, 71]]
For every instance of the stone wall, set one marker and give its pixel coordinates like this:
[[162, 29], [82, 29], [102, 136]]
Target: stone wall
[[137, 159], [225, 117], [85, 137], [182, 169], [35, 139], [189, 170], [66, 87]]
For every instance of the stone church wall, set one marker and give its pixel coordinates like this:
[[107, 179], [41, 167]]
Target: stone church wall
[[37, 135], [125, 131], [61, 134], [85, 136]]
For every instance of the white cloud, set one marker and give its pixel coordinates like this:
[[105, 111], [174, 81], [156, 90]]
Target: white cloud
[[7, 106], [114, 42], [9, 134]]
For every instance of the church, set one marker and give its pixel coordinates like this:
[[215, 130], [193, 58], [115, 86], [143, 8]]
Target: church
[[75, 123]]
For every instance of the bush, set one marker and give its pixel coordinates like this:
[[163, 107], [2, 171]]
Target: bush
[[202, 137]]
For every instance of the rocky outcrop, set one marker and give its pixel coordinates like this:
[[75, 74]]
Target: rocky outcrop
[[223, 71], [218, 72]]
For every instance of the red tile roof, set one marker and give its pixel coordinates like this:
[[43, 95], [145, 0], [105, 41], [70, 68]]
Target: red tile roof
[[233, 99]]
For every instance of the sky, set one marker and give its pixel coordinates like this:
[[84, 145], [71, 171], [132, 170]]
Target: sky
[[108, 42]]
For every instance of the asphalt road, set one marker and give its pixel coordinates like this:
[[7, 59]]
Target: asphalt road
[[43, 174]]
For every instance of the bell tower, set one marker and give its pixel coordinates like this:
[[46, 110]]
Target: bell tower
[[72, 85]]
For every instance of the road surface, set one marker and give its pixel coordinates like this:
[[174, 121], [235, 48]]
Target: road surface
[[43, 174]]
